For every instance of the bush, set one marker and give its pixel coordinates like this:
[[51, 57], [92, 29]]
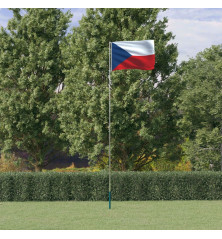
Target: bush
[[163, 164], [11, 163], [73, 169], [82, 186]]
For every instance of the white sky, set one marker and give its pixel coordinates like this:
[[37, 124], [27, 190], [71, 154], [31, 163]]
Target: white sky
[[194, 29]]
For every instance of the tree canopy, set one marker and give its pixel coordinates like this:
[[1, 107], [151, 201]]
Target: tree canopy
[[142, 110], [30, 70], [200, 105]]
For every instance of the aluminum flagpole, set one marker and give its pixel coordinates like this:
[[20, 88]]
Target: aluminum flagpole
[[110, 85]]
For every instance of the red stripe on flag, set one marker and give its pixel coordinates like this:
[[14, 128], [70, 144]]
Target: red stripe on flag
[[137, 62]]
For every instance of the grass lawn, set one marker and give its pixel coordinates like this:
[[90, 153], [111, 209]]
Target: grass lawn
[[156, 215]]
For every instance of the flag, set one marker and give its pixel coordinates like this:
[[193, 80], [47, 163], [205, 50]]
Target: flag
[[133, 55]]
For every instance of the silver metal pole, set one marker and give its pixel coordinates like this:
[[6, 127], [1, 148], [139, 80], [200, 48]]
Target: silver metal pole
[[110, 85]]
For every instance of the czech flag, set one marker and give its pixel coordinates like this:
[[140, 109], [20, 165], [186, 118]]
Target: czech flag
[[133, 55]]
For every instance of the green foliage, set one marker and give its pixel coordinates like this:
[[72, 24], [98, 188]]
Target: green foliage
[[72, 168], [204, 150], [22, 187], [184, 165], [200, 104], [143, 117], [163, 165], [7, 186], [89, 186], [11, 163], [30, 70]]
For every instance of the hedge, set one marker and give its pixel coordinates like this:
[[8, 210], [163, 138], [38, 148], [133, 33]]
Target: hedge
[[93, 186]]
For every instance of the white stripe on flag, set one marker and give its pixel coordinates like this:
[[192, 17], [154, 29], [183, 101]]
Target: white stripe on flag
[[137, 48]]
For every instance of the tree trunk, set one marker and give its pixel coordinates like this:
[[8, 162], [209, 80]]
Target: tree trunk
[[38, 168], [123, 166]]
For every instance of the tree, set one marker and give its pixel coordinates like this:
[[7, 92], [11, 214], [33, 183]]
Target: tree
[[30, 70], [200, 105], [142, 117]]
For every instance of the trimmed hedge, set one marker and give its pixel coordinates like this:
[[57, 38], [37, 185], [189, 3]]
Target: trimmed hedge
[[93, 186]]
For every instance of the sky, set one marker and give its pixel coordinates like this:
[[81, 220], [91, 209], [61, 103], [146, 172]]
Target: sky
[[194, 28]]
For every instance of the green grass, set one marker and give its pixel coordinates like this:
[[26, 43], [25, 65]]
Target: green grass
[[160, 215]]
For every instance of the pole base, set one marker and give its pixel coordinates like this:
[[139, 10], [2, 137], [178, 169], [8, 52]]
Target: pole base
[[109, 200]]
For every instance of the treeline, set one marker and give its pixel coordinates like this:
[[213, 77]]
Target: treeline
[[170, 114]]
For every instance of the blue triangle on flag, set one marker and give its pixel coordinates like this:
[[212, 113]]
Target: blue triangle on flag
[[118, 55]]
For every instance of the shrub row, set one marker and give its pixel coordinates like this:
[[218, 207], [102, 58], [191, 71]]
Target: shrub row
[[89, 186]]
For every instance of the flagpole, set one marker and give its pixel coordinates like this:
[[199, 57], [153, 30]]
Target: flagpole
[[110, 83]]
